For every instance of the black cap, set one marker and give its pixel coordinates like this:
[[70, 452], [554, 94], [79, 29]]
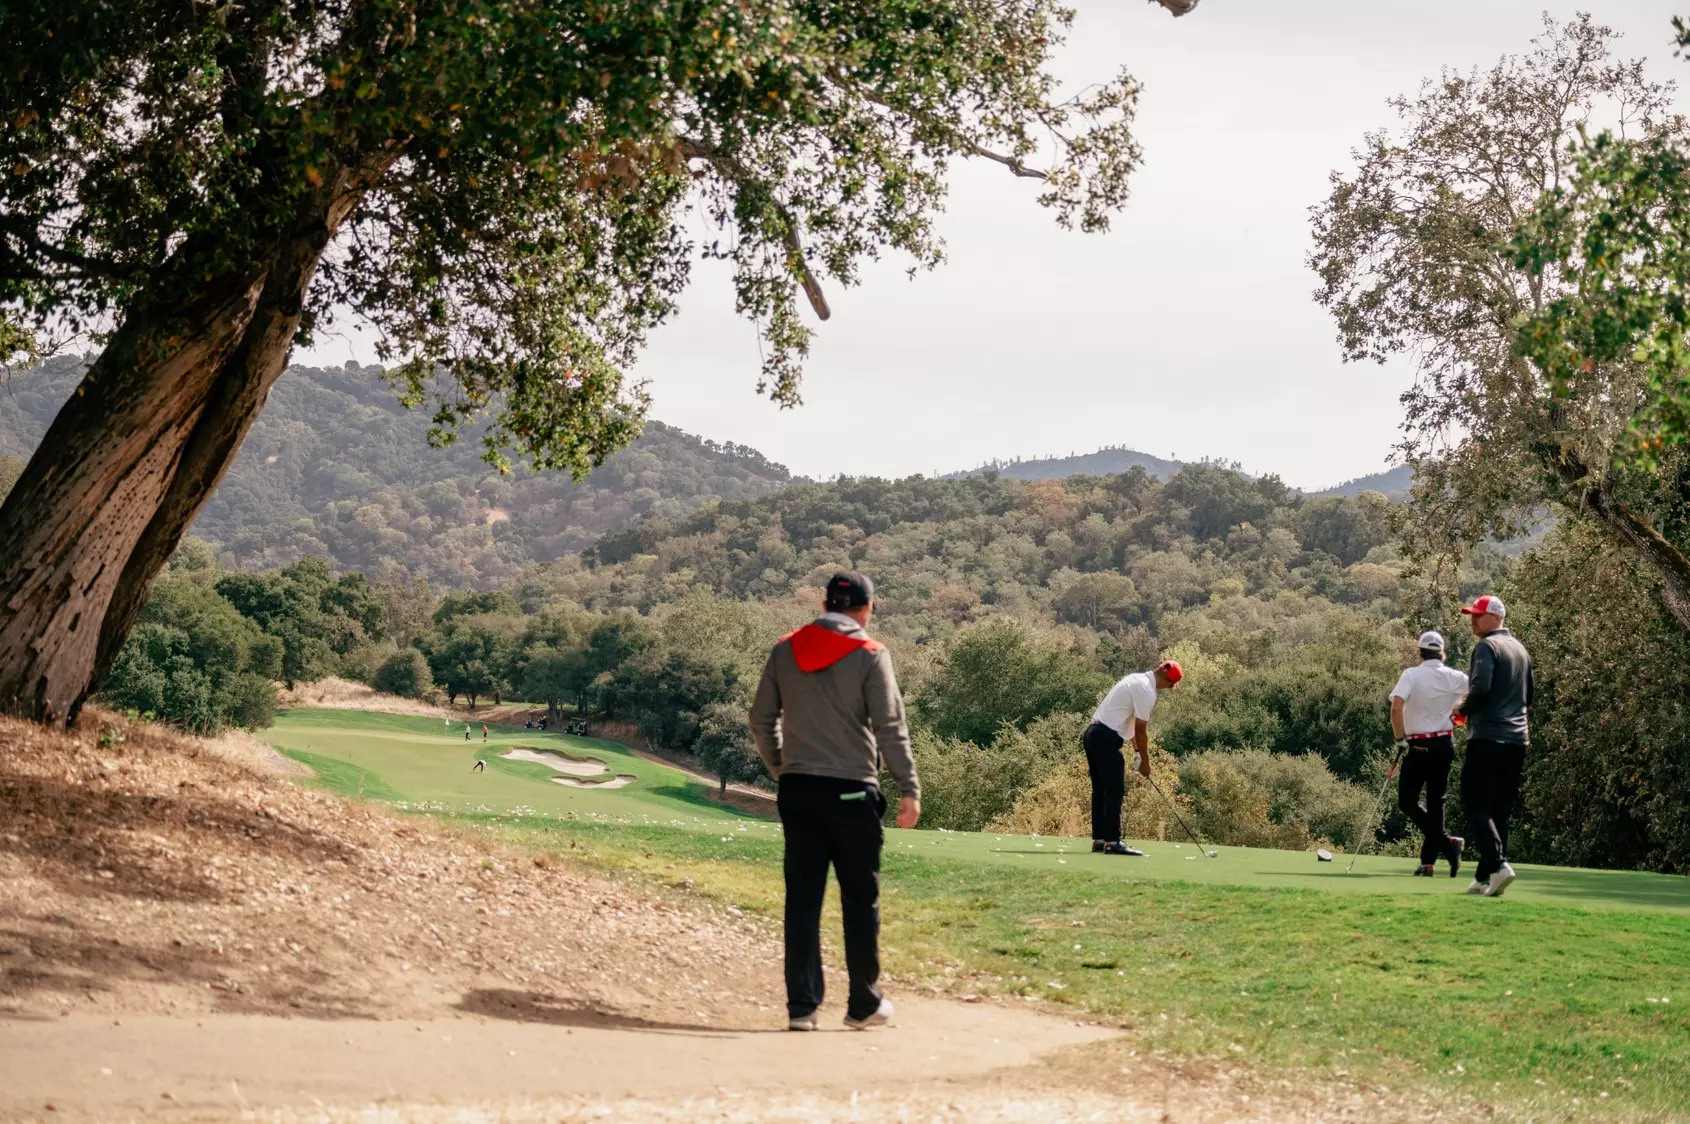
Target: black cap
[[849, 589]]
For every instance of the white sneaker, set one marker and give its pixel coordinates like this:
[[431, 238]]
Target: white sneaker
[[806, 1022], [1499, 881], [1477, 887], [880, 1017]]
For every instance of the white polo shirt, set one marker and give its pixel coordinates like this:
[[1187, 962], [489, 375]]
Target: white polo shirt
[[1133, 697], [1429, 692]]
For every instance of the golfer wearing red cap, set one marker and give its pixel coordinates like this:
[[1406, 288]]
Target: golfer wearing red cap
[[1498, 702], [1123, 714]]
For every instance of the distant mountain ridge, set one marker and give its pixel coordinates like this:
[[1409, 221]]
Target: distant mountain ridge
[[1104, 462], [334, 466], [1393, 484]]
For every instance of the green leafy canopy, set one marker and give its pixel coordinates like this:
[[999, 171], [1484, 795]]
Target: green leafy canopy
[[515, 189]]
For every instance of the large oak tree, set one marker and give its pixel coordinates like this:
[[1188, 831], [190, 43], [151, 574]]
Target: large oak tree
[[1417, 255], [501, 187]]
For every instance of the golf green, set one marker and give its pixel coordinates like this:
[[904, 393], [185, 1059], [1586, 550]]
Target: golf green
[[424, 764]]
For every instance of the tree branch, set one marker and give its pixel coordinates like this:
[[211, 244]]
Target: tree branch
[[739, 173], [1013, 163], [1178, 7]]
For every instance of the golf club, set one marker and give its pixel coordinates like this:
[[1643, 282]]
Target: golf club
[[1368, 834], [1208, 854]]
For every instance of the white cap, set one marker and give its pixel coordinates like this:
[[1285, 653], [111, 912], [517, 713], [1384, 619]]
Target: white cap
[[1432, 640]]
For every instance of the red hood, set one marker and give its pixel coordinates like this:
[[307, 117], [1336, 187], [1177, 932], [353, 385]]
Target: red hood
[[816, 647]]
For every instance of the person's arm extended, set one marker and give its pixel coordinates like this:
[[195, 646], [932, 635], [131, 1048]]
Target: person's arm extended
[[885, 705], [1397, 705], [765, 719], [1141, 742], [1479, 682]]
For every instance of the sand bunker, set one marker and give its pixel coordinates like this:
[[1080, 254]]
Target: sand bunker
[[617, 781], [559, 762]]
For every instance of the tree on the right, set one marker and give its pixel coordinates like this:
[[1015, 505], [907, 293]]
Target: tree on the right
[[1454, 242]]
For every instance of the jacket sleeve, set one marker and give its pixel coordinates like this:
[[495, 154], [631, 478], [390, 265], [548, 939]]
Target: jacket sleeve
[[885, 706], [1479, 682], [765, 718]]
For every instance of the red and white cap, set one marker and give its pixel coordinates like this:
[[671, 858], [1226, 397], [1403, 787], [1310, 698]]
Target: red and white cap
[[1490, 603], [1172, 672]]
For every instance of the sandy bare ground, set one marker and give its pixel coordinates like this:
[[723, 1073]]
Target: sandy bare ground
[[186, 934]]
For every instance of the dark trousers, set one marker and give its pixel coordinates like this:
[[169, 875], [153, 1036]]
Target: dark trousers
[[837, 822], [1426, 765], [1490, 782], [1108, 769]]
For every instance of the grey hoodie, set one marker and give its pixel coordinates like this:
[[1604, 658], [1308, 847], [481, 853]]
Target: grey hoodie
[[828, 706]]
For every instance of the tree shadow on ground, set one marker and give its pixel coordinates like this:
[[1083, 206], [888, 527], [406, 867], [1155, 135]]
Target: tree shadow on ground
[[97, 842], [539, 1007]]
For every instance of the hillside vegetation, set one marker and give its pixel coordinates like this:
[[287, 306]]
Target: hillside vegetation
[[336, 467]]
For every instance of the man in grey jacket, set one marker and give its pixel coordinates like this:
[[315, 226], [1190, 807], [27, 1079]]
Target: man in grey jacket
[[827, 715], [1498, 702]]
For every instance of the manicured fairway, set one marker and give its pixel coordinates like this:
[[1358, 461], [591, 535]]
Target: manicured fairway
[[426, 765], [1569, 998]]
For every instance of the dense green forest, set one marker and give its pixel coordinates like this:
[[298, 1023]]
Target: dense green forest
[[336, 467], [1009, 606]]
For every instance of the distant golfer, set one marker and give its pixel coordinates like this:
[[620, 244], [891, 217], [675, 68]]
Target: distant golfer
[[484, 731], [827, 715], [466, 731], [1499, 696], [1422, 715], [480, 766], [1122, 716]]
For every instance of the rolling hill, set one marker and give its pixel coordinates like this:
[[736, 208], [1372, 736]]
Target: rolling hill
[[335, 466]]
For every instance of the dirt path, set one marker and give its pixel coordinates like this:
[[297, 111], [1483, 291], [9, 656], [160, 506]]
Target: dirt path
[[90, 1066]]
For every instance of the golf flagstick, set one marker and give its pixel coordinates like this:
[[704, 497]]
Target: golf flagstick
[[1379, 800], [1207, 853]]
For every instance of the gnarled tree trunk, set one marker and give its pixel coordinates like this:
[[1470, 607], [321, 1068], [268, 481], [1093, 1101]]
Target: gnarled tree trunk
[[127, 464]]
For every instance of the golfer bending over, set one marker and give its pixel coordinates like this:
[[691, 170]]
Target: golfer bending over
[[1124, 713], [1422, 715], [1499, 697], [826, 715]]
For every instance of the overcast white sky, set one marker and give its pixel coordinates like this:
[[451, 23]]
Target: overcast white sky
[[1189, 329]]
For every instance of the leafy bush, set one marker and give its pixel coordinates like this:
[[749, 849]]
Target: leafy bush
[[405, 674], [965, 786], [1253, 798], [724, 745], [1060, 803], [997, 676], [195, 661]]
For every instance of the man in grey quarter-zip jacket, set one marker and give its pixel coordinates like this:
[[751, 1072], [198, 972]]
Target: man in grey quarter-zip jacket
[[1497, 706], [826, 717]]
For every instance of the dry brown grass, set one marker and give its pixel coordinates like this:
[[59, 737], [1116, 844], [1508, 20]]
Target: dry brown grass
[[344, 694], [144, 870]]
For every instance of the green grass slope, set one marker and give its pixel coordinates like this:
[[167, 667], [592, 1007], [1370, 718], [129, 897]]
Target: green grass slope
[[1565, 1000], [425, 765]]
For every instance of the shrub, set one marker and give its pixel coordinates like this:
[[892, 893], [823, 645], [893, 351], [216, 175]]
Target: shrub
[[724, 745], [1253, 798], [1060, 803], [964, 786], [404, 673], [361, 663]]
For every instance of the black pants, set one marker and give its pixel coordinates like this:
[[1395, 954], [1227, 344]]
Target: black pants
[[839, 822], [1426, 765], [1490, 783], [1108, 769]]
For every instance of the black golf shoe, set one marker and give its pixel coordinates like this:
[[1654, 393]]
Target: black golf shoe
[[1456, 846], [1118, 848], [1425, 871]]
